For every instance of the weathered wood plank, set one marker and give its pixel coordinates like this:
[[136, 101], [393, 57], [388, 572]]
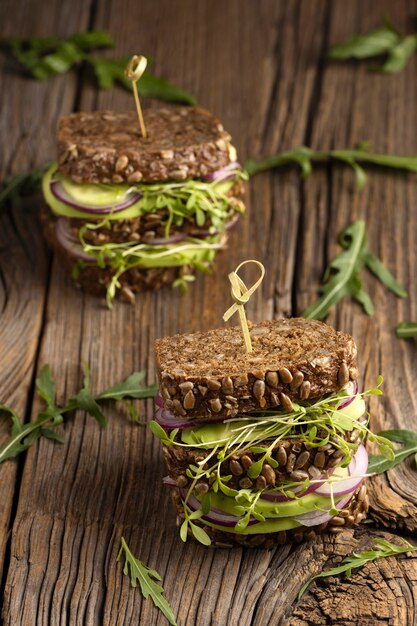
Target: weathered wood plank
[[76, 500], [26, 107], [86, 517]]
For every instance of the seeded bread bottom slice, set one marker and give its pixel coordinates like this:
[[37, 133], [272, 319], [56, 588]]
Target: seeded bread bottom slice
[[205, 374], [352, 515]]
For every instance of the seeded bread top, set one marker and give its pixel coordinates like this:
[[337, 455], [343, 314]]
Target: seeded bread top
[[204, 374], [103, 146]]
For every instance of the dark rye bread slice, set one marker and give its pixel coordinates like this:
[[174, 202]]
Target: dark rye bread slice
[[104, 146], [206, 374], [353, 514]]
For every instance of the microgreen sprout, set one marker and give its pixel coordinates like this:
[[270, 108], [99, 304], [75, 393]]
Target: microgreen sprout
[[315, 423]]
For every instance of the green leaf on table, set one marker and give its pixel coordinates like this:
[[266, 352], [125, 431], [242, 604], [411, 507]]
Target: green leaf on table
[[341, 272], [342, 276], [372, 44], [15, 188], [375, 265], [379, 464], [85, 400], [45, 386], [305, 157], [381, 549], [131, 387], [42, 58], [301, 156], [386, 41], [406, 330], [108, 72], [399, 55], [22, 435], [146, 577], [92, 40]]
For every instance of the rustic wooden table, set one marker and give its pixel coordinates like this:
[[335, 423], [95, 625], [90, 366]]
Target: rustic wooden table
[[261, 67]]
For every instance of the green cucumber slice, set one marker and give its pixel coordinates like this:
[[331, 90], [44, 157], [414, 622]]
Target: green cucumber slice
[[305, 504], [59, 208], [260, 528], [94, 195]]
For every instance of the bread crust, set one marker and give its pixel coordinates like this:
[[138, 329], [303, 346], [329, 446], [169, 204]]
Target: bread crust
[[104, 146], [202, 375]]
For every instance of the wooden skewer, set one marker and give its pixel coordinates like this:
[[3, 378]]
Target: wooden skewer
[[134, 70], [241, 295]]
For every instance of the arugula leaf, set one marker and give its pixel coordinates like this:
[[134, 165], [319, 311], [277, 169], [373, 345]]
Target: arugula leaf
[[45, 57], [384, 275], [379, 464], [373, 44], [14, 188], [381, 549], [383, 41], [22, 436], [49, 56], [109, 72], [45, 386], [139, 572], [85, 400], [305, 157], [399, 55], [406, 330], [342, 278], [130, 387]]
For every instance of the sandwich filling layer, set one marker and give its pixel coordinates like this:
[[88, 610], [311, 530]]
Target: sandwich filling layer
[[121, 227], [269, 470]]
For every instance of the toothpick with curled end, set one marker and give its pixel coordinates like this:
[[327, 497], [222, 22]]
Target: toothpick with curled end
[[134, 70], [241, 295]]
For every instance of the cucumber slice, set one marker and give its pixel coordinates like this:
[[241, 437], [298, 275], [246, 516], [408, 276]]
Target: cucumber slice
[[305, 504], [59, 208], [94, 195], [260, 528]]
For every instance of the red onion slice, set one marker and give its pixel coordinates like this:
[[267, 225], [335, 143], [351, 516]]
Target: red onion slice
[[215, 516], [357, 468], [69, 242], [60, 194], [224, 173], [279, 497], [349, 399], [168, 420], [162, 241], [159, 401]]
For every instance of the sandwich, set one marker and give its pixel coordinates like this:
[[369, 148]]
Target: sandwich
[[264, 447], [127, 213]]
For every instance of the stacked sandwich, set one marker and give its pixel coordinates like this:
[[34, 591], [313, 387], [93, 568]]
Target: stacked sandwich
[[128, 213], [266, 447]]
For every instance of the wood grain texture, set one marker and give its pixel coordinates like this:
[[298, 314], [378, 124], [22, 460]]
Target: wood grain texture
[[261, 68], [25, 107]]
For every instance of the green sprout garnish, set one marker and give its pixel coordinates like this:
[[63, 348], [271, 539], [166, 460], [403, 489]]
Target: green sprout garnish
[[316, 424]]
